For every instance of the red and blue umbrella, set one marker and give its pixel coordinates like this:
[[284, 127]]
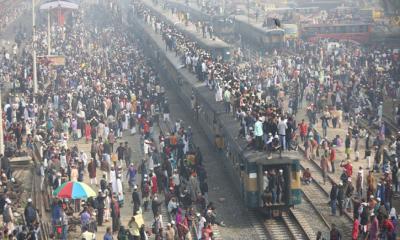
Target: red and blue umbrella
[[74, 190]]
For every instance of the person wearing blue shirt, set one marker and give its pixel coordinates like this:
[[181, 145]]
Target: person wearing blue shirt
[[108, 235]]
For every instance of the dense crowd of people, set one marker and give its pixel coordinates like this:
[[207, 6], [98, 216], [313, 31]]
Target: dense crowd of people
[[339, 85], [108, 90], [105, 91], [92, 97], [10, 11]]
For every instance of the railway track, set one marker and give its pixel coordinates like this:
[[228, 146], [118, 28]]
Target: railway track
[[309, 218], [317, 194], [301, 222], [277, 229], [36, 194], [285, 227], [40, 199]]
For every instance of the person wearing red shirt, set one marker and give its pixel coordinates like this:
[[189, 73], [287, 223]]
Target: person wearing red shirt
[[207, 232], [154, 186], [388, 228], [303, 130], [348, 168], [146, 127], [355, 232]]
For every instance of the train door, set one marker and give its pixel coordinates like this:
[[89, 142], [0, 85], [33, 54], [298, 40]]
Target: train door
[[274, 187]]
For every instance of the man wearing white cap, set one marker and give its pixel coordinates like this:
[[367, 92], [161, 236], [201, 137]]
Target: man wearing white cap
[[8, 217], [30, 213], [170, 233]]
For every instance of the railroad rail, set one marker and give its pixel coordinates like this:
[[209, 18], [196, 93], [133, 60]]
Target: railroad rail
[[317, 194], [295, 224], [285, 227], [40, 197]]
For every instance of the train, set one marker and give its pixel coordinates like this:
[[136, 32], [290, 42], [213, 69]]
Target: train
[[215, 46], [247, 168], [237, 27], [266, 38], [223, 25]]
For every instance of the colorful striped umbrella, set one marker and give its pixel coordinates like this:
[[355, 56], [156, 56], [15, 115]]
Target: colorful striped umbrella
[[74, 190]]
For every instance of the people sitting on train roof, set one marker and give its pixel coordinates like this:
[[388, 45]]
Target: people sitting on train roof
[[273, 145], [307, 178], [250, 139]]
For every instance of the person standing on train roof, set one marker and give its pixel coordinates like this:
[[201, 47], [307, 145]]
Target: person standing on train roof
[[227, 100], [282, 126], [258, 132]]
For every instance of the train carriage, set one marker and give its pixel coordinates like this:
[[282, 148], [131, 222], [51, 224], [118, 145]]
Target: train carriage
[[223, 25], [262, 38], [215, 46]]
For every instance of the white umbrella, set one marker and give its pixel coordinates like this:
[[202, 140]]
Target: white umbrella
[[59, 4]]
